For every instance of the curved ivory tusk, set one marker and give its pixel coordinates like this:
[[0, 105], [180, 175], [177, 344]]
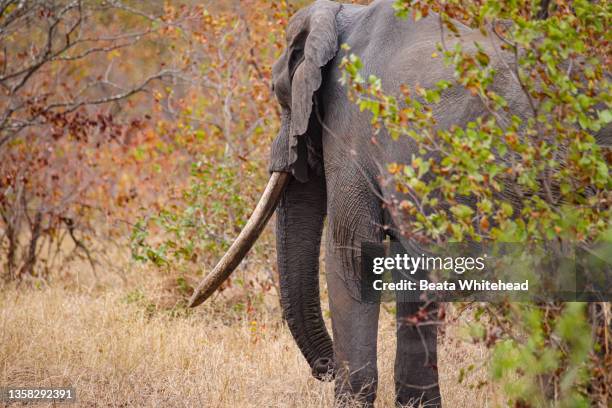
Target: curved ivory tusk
[[249, 234]]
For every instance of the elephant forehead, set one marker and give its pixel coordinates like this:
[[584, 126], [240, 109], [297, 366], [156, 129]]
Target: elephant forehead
[[277, 67]]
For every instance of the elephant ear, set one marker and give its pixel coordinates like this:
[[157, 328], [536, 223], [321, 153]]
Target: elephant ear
[[320, 46], [313, 42]]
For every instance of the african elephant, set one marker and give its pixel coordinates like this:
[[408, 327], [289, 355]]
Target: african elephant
[[326, 164]]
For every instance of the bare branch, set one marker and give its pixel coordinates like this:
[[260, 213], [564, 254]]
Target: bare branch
[[74, 105]]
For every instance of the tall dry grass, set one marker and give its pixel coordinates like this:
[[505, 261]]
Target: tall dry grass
[[119, 348]]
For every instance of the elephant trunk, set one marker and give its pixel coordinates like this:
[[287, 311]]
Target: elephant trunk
[[300, 217], [249, 234]]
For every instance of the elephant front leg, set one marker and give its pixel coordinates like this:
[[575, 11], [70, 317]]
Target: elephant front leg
[[416, 371], [354, 322], [355, 326]]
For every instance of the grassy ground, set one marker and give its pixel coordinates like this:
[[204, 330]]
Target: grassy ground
[[118, 348]]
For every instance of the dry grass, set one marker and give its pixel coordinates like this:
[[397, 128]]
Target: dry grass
[[117, 349]]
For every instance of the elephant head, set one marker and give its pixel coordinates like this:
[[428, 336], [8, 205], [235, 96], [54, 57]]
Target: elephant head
[[296, 186], [312, 41]]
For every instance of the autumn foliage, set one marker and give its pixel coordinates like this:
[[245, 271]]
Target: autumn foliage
[[110, 117]]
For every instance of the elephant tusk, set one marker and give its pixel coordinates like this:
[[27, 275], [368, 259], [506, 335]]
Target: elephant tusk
[[247, 237]]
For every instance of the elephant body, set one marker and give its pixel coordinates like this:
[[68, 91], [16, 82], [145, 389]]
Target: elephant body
[[339, 173]]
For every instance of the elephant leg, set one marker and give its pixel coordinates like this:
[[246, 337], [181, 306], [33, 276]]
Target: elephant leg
[[416, 371], [353, 218], [355, 326]]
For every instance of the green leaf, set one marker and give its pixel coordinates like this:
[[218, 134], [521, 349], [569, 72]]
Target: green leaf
[[462, 211]]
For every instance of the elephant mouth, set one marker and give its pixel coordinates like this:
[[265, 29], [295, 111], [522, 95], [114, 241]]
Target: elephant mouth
[[247, 237]]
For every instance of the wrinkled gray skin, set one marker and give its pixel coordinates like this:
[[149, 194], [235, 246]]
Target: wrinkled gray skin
[[338, 175]]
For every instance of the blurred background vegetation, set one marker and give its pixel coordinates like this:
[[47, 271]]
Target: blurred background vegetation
[[132, 122]]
